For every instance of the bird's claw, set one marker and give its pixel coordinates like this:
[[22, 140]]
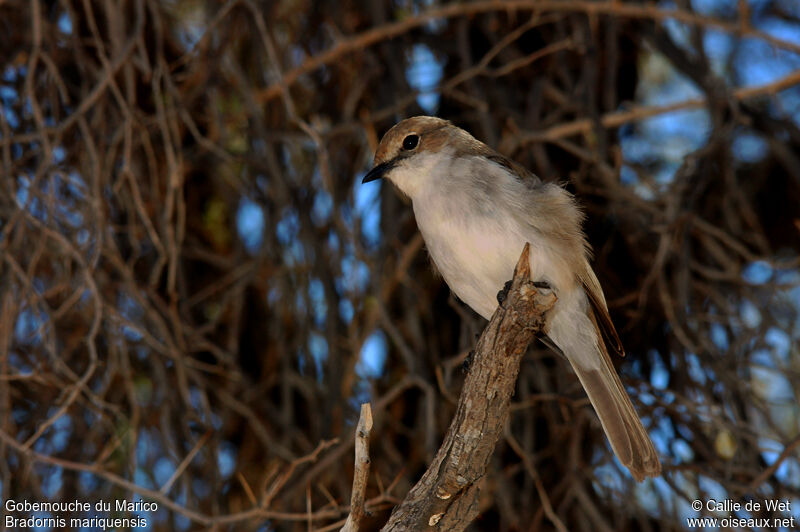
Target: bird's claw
[[467, 362], [543, 287], [503, 294]]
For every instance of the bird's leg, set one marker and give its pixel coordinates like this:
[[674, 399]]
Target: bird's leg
[[503, 294], [543, 287]]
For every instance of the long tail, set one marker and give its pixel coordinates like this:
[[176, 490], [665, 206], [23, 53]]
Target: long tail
[[622, 425], [577, 335]]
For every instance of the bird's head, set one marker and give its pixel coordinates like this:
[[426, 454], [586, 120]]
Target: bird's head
[[410, 153]]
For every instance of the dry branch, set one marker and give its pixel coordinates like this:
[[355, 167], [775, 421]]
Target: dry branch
[[619, 118], [361, 473], [445, 498], [614, 8]]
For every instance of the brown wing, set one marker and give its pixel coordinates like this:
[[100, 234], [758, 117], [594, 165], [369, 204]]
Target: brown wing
[[530, 179], [600, 312]]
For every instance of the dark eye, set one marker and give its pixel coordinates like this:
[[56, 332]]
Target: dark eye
[[410, 142]]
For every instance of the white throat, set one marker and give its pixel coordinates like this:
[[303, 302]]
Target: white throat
[[417, 175]]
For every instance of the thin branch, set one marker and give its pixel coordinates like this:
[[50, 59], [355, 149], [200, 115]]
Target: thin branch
[[185, 463], [618, 118], [787, 451], [258, 512], [361, 473], [633, 11]]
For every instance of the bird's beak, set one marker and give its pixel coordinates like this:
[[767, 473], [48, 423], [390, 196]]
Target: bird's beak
[[378, 172]]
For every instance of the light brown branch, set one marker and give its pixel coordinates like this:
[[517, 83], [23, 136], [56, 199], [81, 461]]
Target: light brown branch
[[361, 473]]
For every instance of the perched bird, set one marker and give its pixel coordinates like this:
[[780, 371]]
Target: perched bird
[[476, 210]]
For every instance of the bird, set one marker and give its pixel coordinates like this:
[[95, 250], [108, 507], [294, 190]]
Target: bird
[[476, 209]]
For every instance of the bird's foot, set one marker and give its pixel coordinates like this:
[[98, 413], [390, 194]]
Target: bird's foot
[[543, 286], [503, 294], [467, 361]]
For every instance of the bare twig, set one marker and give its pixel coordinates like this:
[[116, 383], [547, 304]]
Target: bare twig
[[390, 31], [361, 473], [618, 118], [787, 452]]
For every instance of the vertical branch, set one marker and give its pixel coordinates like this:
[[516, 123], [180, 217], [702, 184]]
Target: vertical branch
[[361, 473]]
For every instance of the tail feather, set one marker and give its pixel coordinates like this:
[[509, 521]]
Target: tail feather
[[575, 331], [621, 423]]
